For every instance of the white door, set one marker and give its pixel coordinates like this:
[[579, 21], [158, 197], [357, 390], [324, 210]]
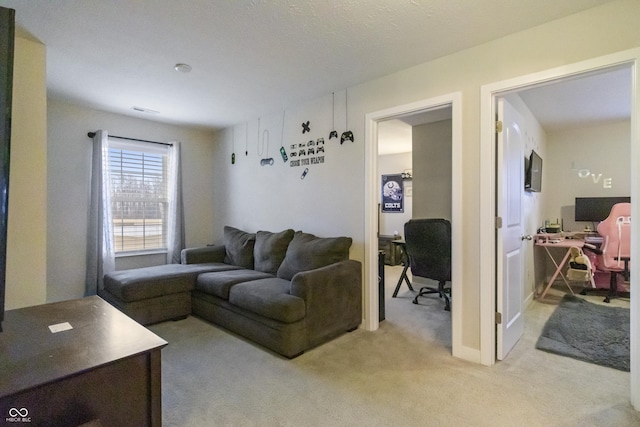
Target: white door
[[510, 268]]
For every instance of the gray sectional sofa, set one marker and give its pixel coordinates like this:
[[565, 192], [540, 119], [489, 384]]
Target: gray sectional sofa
[[287, 291]]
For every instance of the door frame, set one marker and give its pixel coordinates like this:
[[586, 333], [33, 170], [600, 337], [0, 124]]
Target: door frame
[[370, 303], [488, 169]]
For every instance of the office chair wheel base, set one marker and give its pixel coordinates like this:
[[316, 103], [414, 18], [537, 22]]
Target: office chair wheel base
[[447, 300]]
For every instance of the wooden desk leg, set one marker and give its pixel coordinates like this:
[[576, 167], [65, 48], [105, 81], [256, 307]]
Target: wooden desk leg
[[403, 276], [155, 387], [558, 271]]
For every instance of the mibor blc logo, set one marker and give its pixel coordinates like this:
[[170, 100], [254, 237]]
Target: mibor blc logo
[[18, 415]]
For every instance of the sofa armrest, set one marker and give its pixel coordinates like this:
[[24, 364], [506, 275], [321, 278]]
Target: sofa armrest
[[202, 255], [332, 296]]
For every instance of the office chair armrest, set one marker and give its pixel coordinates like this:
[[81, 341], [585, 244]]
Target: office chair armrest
[[592, 248]]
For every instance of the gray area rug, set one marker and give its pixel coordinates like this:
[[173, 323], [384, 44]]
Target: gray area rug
[[589, 332]]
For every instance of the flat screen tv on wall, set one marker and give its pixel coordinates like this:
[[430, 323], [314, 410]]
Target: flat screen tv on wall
[[533, 173], [7, 34]]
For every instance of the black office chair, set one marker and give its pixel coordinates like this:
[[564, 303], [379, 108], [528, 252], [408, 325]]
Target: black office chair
[[428, 251]]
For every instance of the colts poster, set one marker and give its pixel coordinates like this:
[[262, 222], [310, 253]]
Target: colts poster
[[392, 193]]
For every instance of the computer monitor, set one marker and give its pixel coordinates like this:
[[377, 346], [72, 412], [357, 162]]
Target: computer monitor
[[596, 209]]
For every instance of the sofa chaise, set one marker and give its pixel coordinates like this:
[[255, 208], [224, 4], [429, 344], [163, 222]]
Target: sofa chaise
[[287, 291]]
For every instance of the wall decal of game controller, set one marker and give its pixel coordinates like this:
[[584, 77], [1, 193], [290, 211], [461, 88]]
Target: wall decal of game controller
[[346, 136], [305, 127], [265, 162]]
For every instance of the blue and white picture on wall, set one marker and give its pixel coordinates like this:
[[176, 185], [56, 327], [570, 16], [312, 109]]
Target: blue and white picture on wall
[[392, 193]]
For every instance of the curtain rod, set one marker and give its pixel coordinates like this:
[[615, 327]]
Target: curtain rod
[[92, 134]]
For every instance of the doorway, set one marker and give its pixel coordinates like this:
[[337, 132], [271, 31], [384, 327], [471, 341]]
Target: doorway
[[580, 126], [489, 279], [371, 300], [414, 170]]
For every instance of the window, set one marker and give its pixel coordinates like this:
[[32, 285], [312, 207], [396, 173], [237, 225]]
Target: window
[[139, 196]]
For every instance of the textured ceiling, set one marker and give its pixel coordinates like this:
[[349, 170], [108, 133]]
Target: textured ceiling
[[252, 57], [585, 100], [589, 99]]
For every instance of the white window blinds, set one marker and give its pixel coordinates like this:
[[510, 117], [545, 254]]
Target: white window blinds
[[139, 197]]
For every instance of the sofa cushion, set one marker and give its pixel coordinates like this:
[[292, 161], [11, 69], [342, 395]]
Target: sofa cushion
[[219, 283], [269, 298], [150, 282], [238, 245], [308, 252], [270, 249]]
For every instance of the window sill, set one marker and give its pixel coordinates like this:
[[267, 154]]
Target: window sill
[[140, 253]]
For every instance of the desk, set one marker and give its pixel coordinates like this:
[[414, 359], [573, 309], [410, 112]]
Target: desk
[[392, 254], [106, 367], [405, 261], [547, 243]]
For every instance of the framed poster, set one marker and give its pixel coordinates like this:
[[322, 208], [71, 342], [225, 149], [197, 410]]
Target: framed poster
[[392, 193]]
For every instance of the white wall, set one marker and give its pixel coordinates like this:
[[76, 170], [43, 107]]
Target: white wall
[[593, 161], [428, 193], [327, 202], [69, 155], [330, 201], [27, 221], [393, 223]]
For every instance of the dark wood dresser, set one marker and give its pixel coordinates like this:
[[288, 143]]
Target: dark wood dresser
[[105, 369], [392, 252]]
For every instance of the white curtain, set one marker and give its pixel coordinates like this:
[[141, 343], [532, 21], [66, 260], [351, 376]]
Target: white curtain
[[175, 231], [100, 250]]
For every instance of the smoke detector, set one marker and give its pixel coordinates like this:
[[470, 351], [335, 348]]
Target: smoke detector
[[183, 68]]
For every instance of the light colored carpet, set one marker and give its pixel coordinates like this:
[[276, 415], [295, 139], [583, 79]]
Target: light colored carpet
[[401, 375]]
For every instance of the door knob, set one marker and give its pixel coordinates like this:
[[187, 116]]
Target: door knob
[[526, 237]]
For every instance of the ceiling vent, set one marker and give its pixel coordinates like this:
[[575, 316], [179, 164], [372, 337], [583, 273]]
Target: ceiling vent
[[144, 110]]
